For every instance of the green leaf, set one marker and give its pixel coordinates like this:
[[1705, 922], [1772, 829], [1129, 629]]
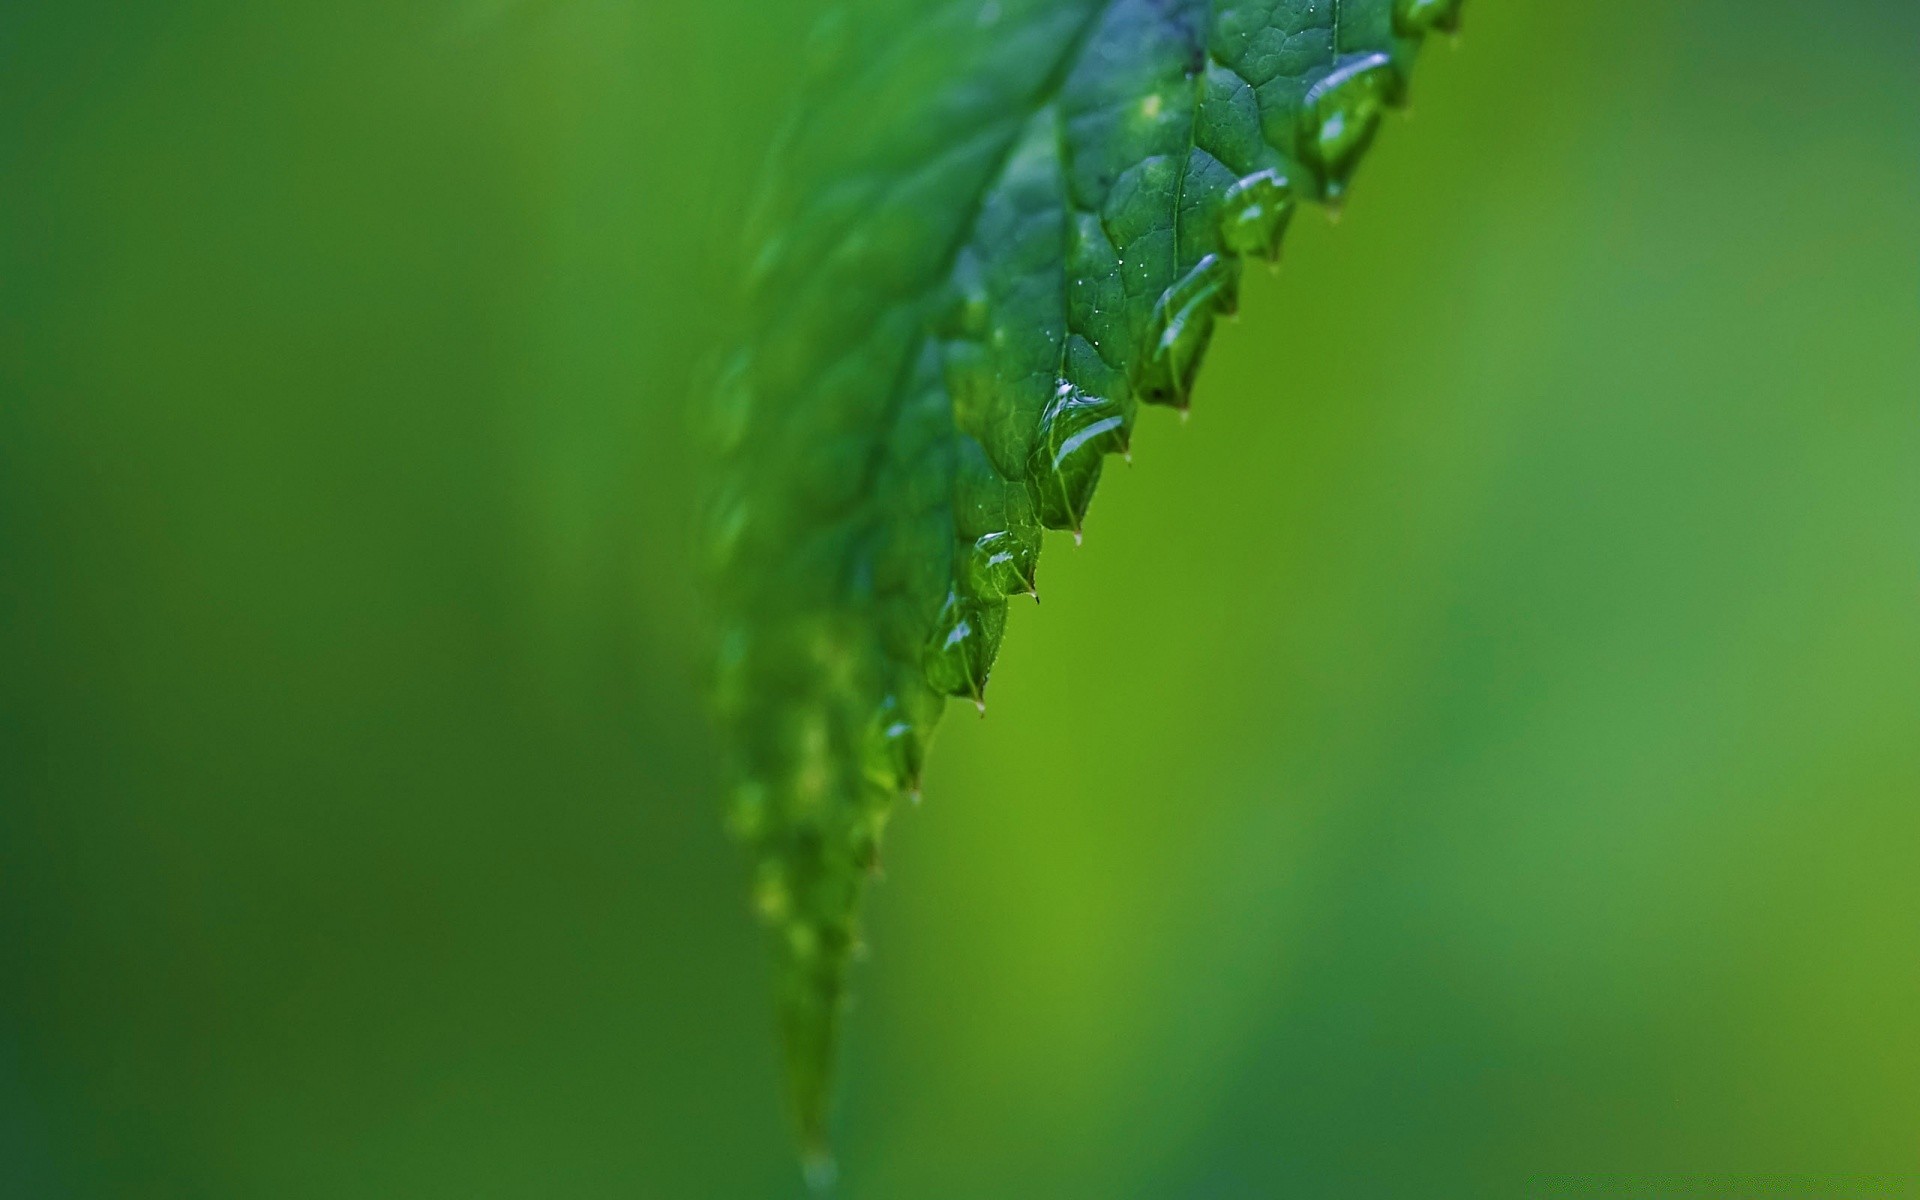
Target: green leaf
[[992, 230]]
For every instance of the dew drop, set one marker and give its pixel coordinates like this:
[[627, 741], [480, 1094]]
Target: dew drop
[[1255, 214], [895, 749], [965, 639], [1076, 433], [1003, 563], [1182, 328], [1342, 112]]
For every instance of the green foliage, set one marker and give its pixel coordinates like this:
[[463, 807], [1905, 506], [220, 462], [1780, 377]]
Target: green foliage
[[992, 232]]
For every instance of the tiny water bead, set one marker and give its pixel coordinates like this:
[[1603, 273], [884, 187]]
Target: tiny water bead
[[1342, 112], [1004, 563], [895, 751], [1182, 328], [1413, 18], [1255, 214], [960, 653], [1076, 434]]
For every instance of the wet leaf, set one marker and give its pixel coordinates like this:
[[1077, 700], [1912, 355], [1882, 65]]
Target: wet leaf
[[992, 231]]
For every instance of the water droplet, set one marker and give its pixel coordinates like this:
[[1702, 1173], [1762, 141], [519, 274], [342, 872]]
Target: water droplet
[[1255, 215], [1413, 18], [1341, 113], [1003, 563], [1076, 433], [895, 749], [965, 639], [1182, 327]]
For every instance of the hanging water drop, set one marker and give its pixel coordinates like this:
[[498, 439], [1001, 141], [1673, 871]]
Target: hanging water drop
[[1182, 328], [1076, 433], [1342, 112], [965, 639], [1004, 563], [895, 750], [1255, 214]]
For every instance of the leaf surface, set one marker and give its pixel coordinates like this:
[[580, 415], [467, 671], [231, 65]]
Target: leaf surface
[[993, 230]]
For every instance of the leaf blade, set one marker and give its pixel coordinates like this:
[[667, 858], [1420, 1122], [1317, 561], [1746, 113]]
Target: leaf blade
[[998, 230]]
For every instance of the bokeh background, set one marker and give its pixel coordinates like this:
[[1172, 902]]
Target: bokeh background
[[1479, 756]]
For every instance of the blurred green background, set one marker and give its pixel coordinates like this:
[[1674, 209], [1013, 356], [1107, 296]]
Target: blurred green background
[[1479, 756]]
